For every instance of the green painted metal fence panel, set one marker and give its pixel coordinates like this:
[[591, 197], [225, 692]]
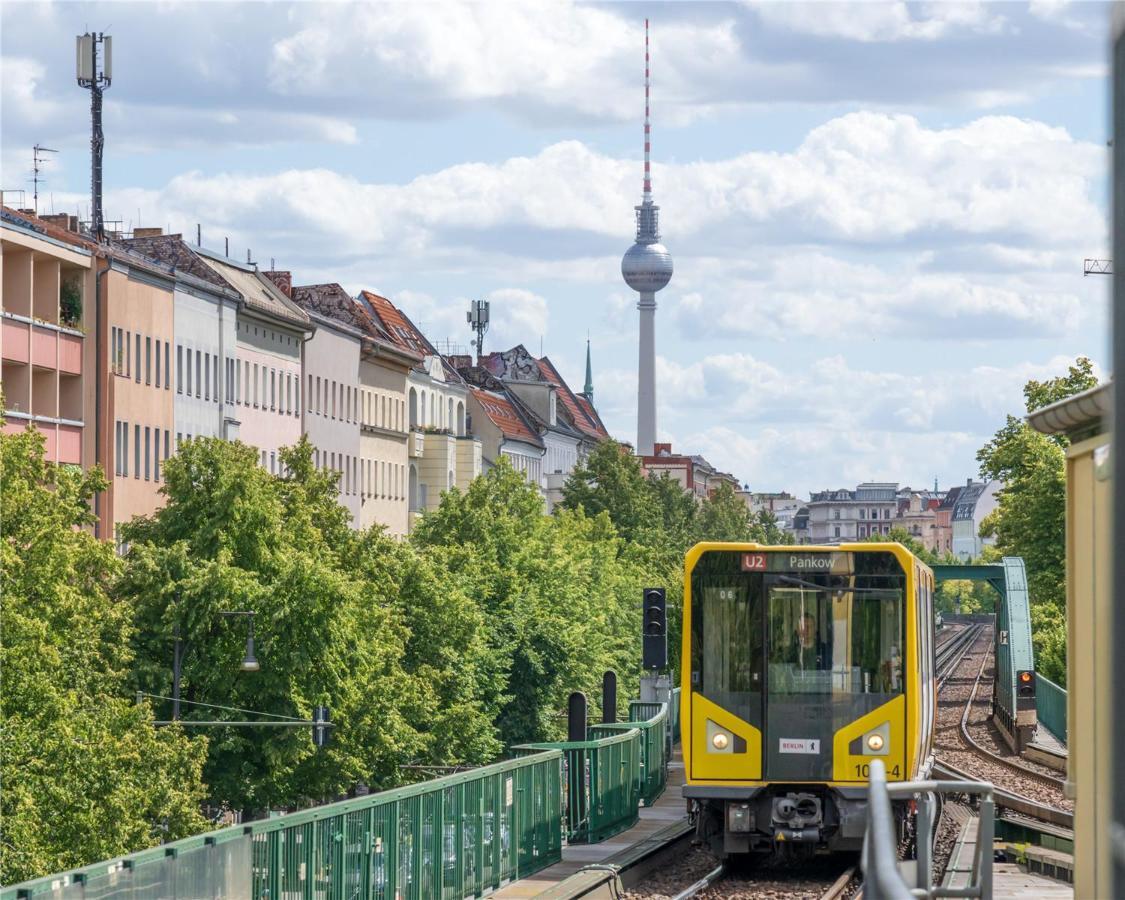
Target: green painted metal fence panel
[[458, 836], [1050, 704], [603, 785]]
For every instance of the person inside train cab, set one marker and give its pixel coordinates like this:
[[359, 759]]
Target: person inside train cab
[[806, 652]]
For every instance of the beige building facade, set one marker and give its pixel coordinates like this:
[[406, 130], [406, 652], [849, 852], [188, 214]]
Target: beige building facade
[[1089, 624]]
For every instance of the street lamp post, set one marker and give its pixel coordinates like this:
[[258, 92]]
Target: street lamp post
[[249, 661]]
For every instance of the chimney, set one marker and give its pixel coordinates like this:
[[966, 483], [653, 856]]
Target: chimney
[[283, 280], [460, 361], [661, 449], [59, 220], [147, 232]]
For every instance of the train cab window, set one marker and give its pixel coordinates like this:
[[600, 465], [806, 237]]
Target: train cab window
[[728, 641]]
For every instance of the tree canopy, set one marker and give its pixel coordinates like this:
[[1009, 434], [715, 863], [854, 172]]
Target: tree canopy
[[85, 774], [1030, 520]]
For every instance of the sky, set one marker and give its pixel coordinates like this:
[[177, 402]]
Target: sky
[[877, 211]]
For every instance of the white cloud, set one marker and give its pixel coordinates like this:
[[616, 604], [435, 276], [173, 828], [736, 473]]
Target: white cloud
[[877, 20], [826, 422]]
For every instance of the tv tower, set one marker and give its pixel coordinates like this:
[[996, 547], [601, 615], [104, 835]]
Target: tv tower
[[646, 268]]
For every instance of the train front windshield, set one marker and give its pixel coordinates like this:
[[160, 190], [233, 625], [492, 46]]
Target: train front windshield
[[798, 645]]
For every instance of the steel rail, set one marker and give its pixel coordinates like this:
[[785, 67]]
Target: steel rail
[[705, 882], [1052, 815], [836, 889], [950, 656], [1048, 780]]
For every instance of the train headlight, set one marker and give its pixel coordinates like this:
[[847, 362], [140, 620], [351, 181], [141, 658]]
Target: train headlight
[[720, 740], [877, 741]]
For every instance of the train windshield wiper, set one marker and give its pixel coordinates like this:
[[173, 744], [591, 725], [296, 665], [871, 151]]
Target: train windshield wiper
[[846, 589]]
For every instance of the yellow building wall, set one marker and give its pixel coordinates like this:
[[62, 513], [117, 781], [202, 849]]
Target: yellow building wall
[[1089, 679]]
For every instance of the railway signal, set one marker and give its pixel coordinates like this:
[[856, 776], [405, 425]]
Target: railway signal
[[654, 650]]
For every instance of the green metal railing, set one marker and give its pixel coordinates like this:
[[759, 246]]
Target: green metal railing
[[602, 782], [1050, 704], [453, 837]]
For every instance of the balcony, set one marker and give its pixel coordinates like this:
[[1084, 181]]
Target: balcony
[[416, 445]]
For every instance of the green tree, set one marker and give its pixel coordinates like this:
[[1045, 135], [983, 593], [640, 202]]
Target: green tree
[[560, 594], [233, 537], [723, 516], [611, 481], [1030, 519], [85, 774]]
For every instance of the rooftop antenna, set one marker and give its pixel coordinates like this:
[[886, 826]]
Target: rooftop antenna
[[198, 235], [1097, 267], [37, 161], [477, 317], [95, 79], [226, 247]]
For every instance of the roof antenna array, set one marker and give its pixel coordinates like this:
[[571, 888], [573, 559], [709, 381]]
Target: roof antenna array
[[37, 161]]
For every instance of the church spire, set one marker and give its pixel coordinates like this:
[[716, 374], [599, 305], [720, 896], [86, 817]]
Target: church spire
[[588, 388]]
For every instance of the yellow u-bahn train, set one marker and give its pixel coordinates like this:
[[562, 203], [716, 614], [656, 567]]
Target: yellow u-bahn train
[[800, 665]]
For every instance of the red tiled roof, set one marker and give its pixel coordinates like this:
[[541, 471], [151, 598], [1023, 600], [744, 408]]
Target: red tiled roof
[[398, 325], [585, 422], [49, 229], [505, 417], [592, 415]]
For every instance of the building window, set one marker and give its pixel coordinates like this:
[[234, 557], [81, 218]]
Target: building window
[[148, 449], [167, 365], [206, 376], [179, 368], [836, 515], [167, 441], [137, 451], [836, 531], [198, 373], [863, 513], [273, 389], [157, 384], [148, 360], [254, 393], [137, 360], [188, 379], [886, 513], [296, 395], [156, 456], [309, 393]]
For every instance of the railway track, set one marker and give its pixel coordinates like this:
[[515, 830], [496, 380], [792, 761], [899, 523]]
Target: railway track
[[698, 874], [960, 754]]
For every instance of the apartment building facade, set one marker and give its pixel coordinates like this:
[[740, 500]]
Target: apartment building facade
[[840, 516], [442, 450], [47, 277], [975, 501]]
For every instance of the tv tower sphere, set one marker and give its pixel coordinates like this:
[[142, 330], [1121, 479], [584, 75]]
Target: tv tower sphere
[[646, 268]]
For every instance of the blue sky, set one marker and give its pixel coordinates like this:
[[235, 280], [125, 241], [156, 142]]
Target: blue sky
[[878, 211]]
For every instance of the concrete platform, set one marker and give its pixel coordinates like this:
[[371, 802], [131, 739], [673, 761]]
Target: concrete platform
[[1009, 880], [669, 807]]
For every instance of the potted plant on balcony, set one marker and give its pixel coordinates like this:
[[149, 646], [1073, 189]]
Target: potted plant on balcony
[[70, 303]]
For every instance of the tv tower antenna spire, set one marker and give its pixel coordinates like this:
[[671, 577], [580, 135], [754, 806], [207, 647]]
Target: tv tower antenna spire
[[647, 268]]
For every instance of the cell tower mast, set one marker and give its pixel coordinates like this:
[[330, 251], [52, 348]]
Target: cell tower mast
[[96, 79], [646, 268]]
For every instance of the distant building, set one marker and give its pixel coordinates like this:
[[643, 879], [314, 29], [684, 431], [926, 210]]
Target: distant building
[[943, 521], [365, 438], [840, 516], [975, 501], [917, 516], [443, 452], [566, 423], [693, 473], [782, 505]]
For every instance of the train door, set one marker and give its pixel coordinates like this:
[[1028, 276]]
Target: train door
[[799, 722]]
